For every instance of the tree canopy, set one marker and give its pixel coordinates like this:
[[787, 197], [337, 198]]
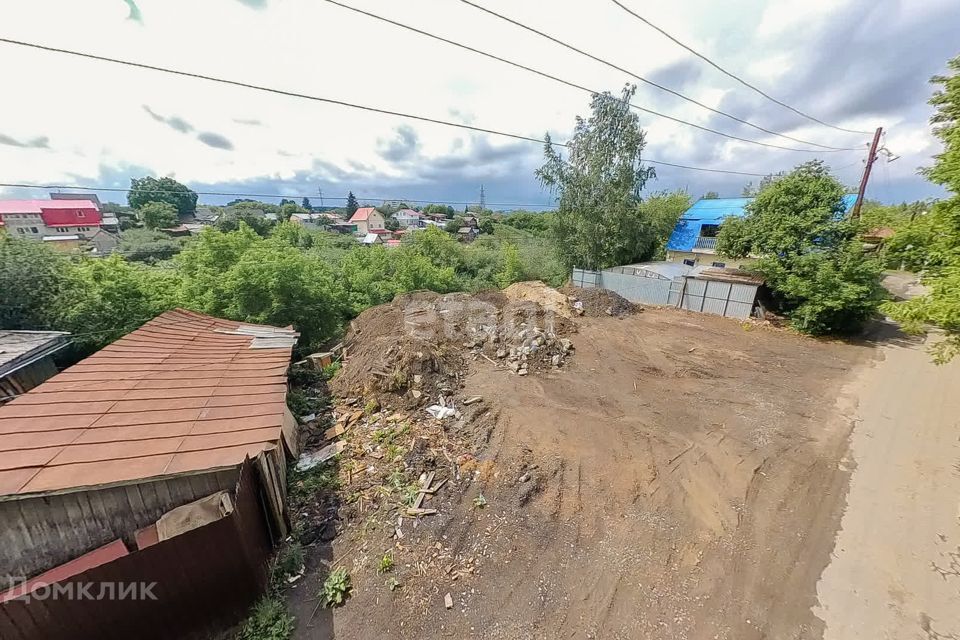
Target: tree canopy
[[158, 215], [598, 222], [808, 251], [934, 238], [150, 189], [352, 204]]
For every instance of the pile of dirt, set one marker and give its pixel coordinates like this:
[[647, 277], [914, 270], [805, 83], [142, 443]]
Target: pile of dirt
[[599, 302], [416, 348]]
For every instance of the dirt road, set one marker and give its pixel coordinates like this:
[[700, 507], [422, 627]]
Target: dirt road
[[895, 571]]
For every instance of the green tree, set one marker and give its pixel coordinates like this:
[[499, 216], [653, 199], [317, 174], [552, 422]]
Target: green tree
[[452, 226], [939, 231], [33, 281], [306, 204], [598, 222], [158, 215], [512, 270], [808, 251], [352, 204], [661, 211], [149, 189], [711, 195], [115, 297], [147, 245]]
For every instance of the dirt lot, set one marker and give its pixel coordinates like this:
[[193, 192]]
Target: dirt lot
[[676, 476]]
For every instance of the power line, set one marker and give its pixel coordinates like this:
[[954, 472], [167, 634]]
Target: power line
[[651, 82], [570, 84], [42, 187], [733, 75], [342, 103]]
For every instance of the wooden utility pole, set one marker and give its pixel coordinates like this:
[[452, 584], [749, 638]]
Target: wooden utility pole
[[871, 158]]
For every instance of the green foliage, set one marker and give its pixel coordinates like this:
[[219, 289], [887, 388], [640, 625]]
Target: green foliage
[[158, 215], [932, 241], [234, 218], [598, 223], [149, 189], [113, 297], [809, 253], [147, 245], [711, 195], [331, 370], [386, 563], [289, 562], [352, 204], [269, 620], [661, 210], [439, 209], [50, 276], [305, 485], [336, 588], [305, 203], [480, 502], [452, 226], [512, 270]]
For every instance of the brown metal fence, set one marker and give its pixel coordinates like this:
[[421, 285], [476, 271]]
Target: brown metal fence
[[204, 580]]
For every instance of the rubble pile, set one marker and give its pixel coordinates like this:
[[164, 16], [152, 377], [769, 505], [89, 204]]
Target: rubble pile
[[417, 346], [596, 302]]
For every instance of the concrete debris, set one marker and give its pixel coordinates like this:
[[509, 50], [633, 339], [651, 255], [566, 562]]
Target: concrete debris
[[448, 601]]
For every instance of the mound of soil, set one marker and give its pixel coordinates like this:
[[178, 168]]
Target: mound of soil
[[416, 347], [538, 292], [599, 302]]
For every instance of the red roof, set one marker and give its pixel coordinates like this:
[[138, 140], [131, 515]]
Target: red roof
[[183, 393], [56, 213], [362, 214]]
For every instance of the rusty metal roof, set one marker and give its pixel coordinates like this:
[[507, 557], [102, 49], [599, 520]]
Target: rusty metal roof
[[183, 393]]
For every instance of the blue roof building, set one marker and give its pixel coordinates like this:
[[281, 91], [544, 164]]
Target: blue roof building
[[696, 231]]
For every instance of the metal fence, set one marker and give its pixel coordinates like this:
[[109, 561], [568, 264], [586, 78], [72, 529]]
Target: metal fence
[[732, 300]]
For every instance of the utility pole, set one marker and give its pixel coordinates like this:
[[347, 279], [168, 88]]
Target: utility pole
[[483, 200], [320, 191], [871, 158]]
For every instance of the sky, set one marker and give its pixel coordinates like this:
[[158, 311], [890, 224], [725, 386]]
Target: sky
[[64, 120]]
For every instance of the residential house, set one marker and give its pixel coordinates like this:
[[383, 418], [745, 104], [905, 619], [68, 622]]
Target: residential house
[[102, 242], [160, 459], [312, 220], [467, 234], [26, 360], [367, 220], [206, 215], [694, 238], [409, 218], [66, 224], [371, 239]]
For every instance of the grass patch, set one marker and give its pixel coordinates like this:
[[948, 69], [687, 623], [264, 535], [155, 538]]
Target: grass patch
[[269, 620], [303, 485]]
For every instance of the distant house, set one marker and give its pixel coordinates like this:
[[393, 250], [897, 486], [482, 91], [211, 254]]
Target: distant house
[[367, 219], [467, 234], [409, 218], [309, 220], [694, 238], [102, 243], [26, 359], [343, 227], [66, 223], [206, 215]]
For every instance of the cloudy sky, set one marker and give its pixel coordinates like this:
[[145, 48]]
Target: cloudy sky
[[66, 120]]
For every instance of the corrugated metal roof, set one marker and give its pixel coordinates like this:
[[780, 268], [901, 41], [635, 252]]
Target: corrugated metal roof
[[714, 211], [183, 393], [37, 206]]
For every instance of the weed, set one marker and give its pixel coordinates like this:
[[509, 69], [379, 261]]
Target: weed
[[306, 484], [289, 562], [397, 482], [392, 583], [480, 502], [336, 588], [397, 381], [269, 620], [371, 407], [385, 564], [304, 376], [298, 402], [331, 370], [389, 435], [393, 452]]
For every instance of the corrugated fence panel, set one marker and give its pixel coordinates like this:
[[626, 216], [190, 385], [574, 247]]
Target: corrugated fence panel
[[743, 293], [585, 279], [637, 288]]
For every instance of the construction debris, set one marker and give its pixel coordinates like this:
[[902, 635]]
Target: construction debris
[[308, 461]]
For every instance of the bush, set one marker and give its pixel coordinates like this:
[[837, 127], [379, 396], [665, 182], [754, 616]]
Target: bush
[[269, 620]]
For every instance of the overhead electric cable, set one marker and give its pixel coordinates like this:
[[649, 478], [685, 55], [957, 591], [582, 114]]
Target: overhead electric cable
[[733, 75], [573, 84], [651, 82], [293, 94]]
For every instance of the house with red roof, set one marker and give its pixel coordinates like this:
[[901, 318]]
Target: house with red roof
[[368, 220], [55, 221]]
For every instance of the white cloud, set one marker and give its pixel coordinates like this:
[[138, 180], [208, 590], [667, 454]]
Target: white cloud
[[93, 114]]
